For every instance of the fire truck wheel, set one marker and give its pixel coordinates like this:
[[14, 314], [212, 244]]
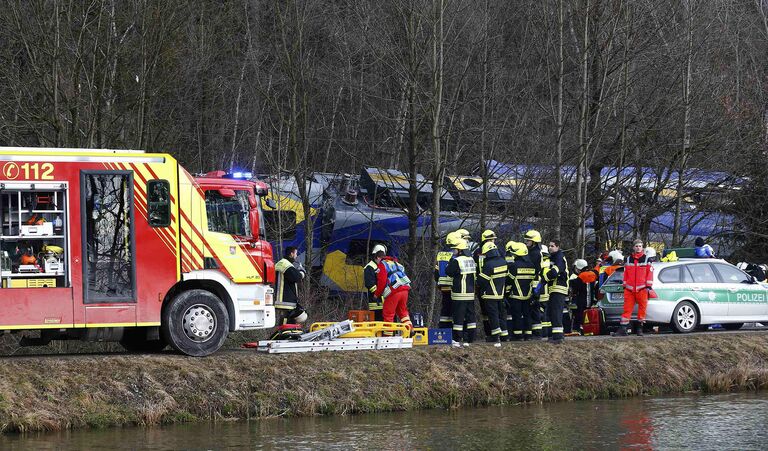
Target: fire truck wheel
[[195, 323]]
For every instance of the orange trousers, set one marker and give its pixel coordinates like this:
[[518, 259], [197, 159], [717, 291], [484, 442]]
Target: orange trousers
[[397, 303], [630, 299]]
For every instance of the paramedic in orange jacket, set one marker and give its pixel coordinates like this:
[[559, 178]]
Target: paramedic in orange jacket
[[638, 280]]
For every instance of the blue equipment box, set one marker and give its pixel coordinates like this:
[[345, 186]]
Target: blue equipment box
[[439, 336]]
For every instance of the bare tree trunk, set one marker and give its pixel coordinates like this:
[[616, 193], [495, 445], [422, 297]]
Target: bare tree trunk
[[437, 177], [581, 168], [686, 145], [484, 122], [333, 129], [560, 120]]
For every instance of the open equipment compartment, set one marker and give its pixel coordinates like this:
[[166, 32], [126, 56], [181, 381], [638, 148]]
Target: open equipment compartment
[[33, 235]]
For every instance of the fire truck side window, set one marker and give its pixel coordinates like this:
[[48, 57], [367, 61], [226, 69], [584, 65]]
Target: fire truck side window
[[228, 214], [159, 203]]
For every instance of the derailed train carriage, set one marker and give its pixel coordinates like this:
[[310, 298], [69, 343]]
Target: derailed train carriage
[[352, 213]]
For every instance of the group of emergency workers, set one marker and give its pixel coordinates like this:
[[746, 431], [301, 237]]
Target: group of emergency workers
[[522, 292], [525, 291], [385, 280]]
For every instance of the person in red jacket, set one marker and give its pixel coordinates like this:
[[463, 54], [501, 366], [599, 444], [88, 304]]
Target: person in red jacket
[[393, 285], [638, 280]]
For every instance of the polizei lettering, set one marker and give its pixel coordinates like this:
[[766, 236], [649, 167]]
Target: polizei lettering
[[750, 297]]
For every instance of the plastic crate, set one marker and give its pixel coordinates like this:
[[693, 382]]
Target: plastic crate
[[361, 316]]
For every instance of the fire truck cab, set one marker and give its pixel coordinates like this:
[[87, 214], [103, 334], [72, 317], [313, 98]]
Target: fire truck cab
[[118, 245]]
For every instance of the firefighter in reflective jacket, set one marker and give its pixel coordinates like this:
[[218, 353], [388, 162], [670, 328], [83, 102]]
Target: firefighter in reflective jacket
[[532, 240], [369, 278], [488, 236], [444, 281], [558, 279], [393, 285], [289, 273], [490, 285], [520, 274], [541, 294], [462, 270]]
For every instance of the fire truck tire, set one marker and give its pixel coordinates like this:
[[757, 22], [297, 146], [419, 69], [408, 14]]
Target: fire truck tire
[[195, 323], [135, 340]]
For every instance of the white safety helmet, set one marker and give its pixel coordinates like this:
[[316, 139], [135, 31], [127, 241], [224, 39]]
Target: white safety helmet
[[742, 265], [379, 248], [544, 250], [580, 264], [650, 252], [616, 255]]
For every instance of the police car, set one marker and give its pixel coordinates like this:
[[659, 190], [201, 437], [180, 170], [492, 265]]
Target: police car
[[690, 293]]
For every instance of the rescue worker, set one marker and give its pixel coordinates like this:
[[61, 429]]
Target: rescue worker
[[532, 240], [369, 278], [490, 285], [541, 295], [392, 286], [702, 249], [582, 288], [557, 278], [617, 261], [651, 254], [443, 280], [520, 275], [288, 274], [488, 236], [638, 280], [462, 270], [471, 245]]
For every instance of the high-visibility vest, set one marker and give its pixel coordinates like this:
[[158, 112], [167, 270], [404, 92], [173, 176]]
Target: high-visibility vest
[[463, 286], [497, 267], [396, 277], [443, 258], [280, 302], [521, 282]]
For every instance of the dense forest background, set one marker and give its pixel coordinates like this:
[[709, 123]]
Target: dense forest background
[[429, 86]]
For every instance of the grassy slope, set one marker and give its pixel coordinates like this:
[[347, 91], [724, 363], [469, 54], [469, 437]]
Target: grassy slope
[[95, 391]]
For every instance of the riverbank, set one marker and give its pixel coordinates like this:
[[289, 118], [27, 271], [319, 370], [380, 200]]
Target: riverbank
[[60, 392]]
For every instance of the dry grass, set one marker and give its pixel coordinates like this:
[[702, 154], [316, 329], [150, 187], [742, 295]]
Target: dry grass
[[59, 392]]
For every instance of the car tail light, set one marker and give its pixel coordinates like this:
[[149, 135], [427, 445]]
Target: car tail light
[[652, 294]]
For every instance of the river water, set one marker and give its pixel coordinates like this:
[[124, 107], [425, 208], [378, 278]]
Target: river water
[[701, 422]]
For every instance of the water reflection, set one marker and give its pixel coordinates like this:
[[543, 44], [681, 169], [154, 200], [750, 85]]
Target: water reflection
[[732, 421]]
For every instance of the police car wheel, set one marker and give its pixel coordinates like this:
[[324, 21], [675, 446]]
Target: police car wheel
[[685, 318], [195, 323], [733, 326]]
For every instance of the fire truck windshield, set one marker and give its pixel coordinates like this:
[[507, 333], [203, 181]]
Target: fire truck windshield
[[228, 215]]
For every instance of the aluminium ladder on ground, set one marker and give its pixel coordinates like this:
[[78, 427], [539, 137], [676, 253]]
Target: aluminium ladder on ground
[[338, 344], [326, 339]]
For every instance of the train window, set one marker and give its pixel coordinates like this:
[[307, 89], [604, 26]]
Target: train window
[[358, 253], [280, 223]]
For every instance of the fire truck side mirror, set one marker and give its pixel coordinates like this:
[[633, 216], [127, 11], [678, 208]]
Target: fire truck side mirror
[[227, 193]]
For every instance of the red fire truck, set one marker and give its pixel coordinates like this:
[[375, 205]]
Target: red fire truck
[[127, 245]]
